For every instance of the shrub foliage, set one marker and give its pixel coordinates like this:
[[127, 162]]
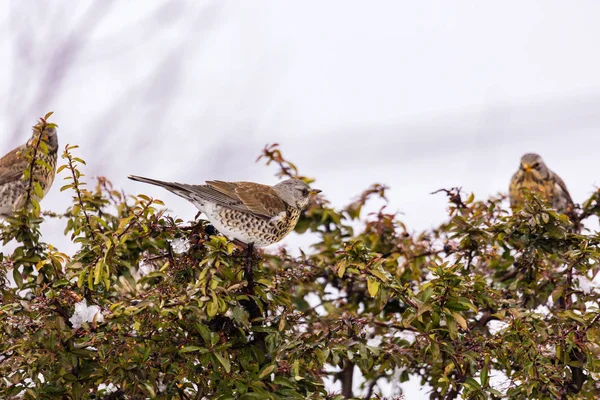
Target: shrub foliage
[[486, 294]]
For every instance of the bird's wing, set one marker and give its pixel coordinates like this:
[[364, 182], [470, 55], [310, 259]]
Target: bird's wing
[[243, 196], [11, 167], [563, 188], [254, 197], [195, 192]]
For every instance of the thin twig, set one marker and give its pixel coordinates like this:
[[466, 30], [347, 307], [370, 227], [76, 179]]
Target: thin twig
[[33, 161], [77, 190], [135, 219]]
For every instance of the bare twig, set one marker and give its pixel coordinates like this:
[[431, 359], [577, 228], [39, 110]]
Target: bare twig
[[454, 196]]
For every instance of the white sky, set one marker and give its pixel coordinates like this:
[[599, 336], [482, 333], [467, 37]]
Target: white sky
[[416, 95]]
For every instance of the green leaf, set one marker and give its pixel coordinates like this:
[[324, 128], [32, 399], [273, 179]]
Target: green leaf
[[472, 383], [372, 286], [266, 371], [460, 304], [461, 321], [241, 316], [484, 376], [452, 328], [17, 277], [379, 274], [572, 315], [189, 349], [98, 271], [224, 360], [341, 268]]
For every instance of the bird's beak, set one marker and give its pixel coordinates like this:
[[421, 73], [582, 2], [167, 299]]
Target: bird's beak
[[527, 167], [315, 191]]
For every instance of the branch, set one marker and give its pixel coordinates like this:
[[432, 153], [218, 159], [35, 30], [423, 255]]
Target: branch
[[396, 326], [454, 196], [39, 129], [371, 386], [346, 376], [136, 218], [76, 185]]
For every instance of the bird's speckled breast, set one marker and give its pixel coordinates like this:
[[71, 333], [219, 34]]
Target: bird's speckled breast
[[42, 174], [544, 187], [251, 228], [10, 196], [13, 194]]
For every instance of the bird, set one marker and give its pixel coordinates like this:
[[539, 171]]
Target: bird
[[13, 186], [252, 213], [534, 175]]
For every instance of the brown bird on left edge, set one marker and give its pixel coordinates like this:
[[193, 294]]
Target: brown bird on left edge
[[534, 175], [252, 213], [13, 188]]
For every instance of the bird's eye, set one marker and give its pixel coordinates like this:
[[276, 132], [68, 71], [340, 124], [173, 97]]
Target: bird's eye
[[535, 165], [304, 192]]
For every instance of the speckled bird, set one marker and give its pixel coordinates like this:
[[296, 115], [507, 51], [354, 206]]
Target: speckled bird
[[13, 188], [251, 213], [534, 175]]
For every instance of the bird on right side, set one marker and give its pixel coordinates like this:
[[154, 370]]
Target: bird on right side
[[535, 176]]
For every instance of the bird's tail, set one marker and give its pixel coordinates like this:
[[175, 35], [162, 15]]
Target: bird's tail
[[180, 189]]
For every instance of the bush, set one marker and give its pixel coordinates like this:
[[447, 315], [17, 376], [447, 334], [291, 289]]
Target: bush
[[168, 310]]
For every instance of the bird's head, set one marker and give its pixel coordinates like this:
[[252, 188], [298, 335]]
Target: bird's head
[[295, 192], [533, 165], [48, 136]]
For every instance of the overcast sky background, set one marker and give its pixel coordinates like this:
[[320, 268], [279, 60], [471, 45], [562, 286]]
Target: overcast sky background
[[416, 95]]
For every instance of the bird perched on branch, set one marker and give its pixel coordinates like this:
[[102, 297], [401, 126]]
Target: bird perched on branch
[[252, 213], [535, 176], [38, 155]]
